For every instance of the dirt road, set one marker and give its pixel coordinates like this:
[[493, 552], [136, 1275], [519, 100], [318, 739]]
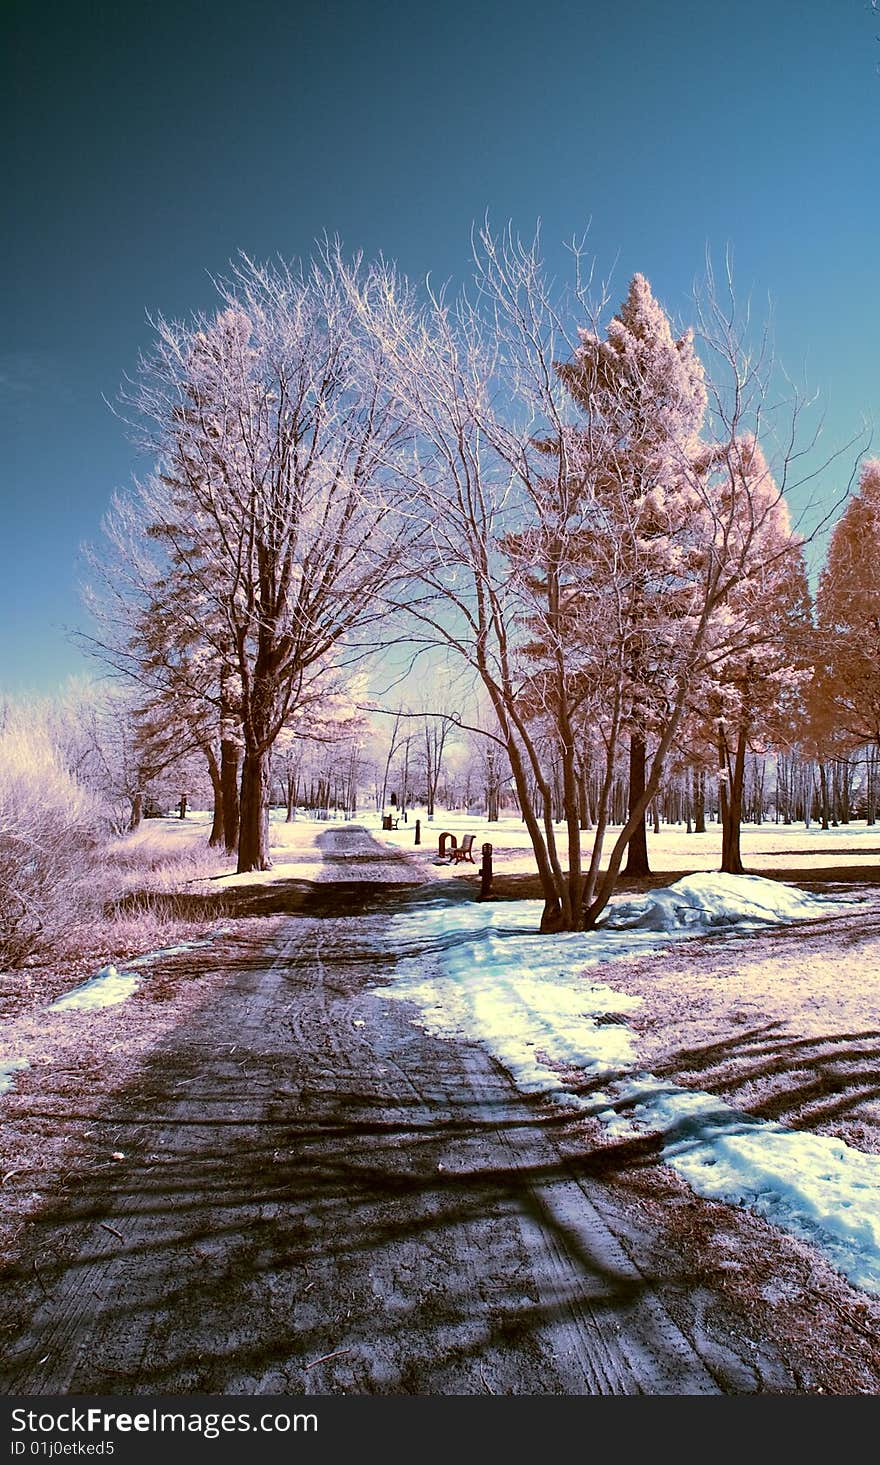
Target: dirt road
[[316, 1197]]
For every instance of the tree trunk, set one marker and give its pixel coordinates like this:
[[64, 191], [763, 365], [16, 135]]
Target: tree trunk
[[731, 858], [699, 801], [823, 790], [586, 821], [551, 916], [137, 812], [604, 889], [216, 836], [229, 757], [253, 838], [844, 783], [637, 849]]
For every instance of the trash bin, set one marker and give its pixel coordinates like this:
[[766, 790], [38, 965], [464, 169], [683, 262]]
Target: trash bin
[[386, 822]]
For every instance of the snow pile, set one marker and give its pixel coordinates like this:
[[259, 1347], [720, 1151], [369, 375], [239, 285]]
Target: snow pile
[[104, 989], [525, 998], [8, 1068], [715, 900]]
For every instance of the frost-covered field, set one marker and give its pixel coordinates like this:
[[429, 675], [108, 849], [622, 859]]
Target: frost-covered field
[[765, 847], [296, 846]]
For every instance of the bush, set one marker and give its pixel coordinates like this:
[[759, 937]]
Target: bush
[[49, 836]]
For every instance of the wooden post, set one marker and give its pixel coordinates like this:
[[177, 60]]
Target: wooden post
[[418, 831], [486, 873]]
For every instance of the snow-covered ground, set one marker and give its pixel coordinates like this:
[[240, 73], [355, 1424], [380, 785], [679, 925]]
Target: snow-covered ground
[[536, 1003], [533, 1002], [297, 854], [766, 847], [296, 846]]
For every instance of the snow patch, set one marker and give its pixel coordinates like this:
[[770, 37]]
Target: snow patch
[[104, 989], [110, 986], [525, 997], [177, 950], [9, 1067], [812, 1185]]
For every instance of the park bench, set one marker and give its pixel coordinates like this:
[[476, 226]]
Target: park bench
[[463, 852]]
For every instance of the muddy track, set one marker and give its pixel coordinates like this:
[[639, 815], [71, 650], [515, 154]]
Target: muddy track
[[317, 1197]]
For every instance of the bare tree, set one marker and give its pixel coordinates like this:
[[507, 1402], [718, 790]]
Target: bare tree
[[435, 735], [587, 598], [161, 635]]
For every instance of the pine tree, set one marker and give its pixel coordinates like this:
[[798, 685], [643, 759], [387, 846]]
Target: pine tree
[[650, 393], [848, 616]]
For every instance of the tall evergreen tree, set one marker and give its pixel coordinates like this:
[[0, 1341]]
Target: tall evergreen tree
[[647, 390], [848, 615]]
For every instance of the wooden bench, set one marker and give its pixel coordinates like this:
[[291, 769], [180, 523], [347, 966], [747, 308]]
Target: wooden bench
[[463, 852]]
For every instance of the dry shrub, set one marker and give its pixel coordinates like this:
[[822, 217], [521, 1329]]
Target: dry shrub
[[69, 888], [49, 843]]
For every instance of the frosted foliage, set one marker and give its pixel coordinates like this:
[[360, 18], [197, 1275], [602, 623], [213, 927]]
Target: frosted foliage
[[759, 636], [655, 384], [47, 831], [636, 572], [269, 504], [848, 605]]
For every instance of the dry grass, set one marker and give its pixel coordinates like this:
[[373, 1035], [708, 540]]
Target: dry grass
[[153, 898]]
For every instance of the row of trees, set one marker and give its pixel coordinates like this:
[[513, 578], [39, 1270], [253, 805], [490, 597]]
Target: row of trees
[[584, 515]]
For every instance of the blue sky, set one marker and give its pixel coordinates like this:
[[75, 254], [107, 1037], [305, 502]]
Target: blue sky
[[150, 143]]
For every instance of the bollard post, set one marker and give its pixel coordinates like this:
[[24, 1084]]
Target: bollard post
[[418, 831], [486, 873]]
